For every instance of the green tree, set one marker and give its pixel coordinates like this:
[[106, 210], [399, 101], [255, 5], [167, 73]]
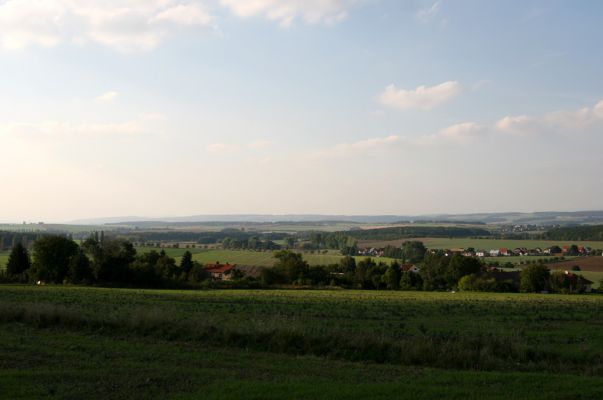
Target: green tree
[[18, 261], [348, 264], [80, 269], [410, 281], [52, 255], [292, 265], [391, 277], [413, 251], [186, 263], [460, 266], [535, 278]]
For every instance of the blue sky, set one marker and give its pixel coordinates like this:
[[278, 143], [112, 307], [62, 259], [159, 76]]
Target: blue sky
[[170, 107]]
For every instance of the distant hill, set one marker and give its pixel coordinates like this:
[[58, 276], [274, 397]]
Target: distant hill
[[536, 218]]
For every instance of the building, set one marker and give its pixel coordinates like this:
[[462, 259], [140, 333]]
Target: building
[[222, 272]]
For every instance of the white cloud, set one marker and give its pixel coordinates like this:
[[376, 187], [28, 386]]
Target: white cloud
[[30, 22], [585, 120], [124, 25], [286, 11], [259, 144], [347, 149], [428, 13], [55, 129], [108, 96], [423, 97], [462, 133], [221, 148]]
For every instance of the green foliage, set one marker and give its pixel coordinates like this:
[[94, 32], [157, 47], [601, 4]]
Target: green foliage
[[292, 266], [411, 281], [80, 269], [186, 263], [391, 277], [417, 231], [18, 260], [413, 251], [583, 232], [460, 266], [535, 278], [52, 255]]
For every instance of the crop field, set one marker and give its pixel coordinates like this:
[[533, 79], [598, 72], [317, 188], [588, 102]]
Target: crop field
[[585, 263], [484, 244], [67, 342]]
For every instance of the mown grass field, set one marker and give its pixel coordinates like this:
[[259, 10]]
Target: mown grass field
[[72, 342], [258, 258]]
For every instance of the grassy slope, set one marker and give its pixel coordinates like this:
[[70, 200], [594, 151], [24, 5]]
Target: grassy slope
[[71, 365], [43, 357]]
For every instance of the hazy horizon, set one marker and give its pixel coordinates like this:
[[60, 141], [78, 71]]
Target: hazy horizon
[[341, 107]]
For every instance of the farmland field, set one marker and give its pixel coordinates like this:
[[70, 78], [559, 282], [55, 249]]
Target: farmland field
[[266, 258], [72, 342], [485, 244]]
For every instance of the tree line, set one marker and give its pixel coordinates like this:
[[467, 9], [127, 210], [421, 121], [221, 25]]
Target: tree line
[[98, 260], [115, 262]]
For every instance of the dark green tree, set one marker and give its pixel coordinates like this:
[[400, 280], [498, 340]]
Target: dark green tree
[[535, 278], [292, 265], [80, 269], [413, 251], [186, 263], [18, 261], [391, 277], [52, 255], [460, 266], [348, 264]]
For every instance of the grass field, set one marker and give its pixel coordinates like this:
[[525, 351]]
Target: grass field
[[266, 259], [484, 244], [248, 257], [71, 342], [3, 259]]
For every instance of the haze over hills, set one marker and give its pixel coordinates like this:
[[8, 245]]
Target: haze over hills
[[538, 218]]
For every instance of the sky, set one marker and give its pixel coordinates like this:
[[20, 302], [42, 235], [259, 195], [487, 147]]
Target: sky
[[170, 107]]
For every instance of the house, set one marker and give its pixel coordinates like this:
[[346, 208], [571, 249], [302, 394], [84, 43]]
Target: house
[[410, 268], [222, 272], [481, 253], [494, 253], [580, 282], [504, 251]]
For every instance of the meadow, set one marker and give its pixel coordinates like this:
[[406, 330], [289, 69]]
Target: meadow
[[122, 343], [257, 258]]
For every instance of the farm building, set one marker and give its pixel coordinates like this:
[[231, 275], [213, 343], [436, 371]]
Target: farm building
[[219, 271]]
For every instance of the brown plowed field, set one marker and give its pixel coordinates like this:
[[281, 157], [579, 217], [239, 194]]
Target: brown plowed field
[[594, 264]]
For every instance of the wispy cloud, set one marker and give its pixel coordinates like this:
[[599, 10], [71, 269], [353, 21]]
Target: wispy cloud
[[358, 147], [566, 122], [429, 13], [221, 148], [286, 11], [108, 96], [125, 25], [462, 133], [423, 97], [54, 129]]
